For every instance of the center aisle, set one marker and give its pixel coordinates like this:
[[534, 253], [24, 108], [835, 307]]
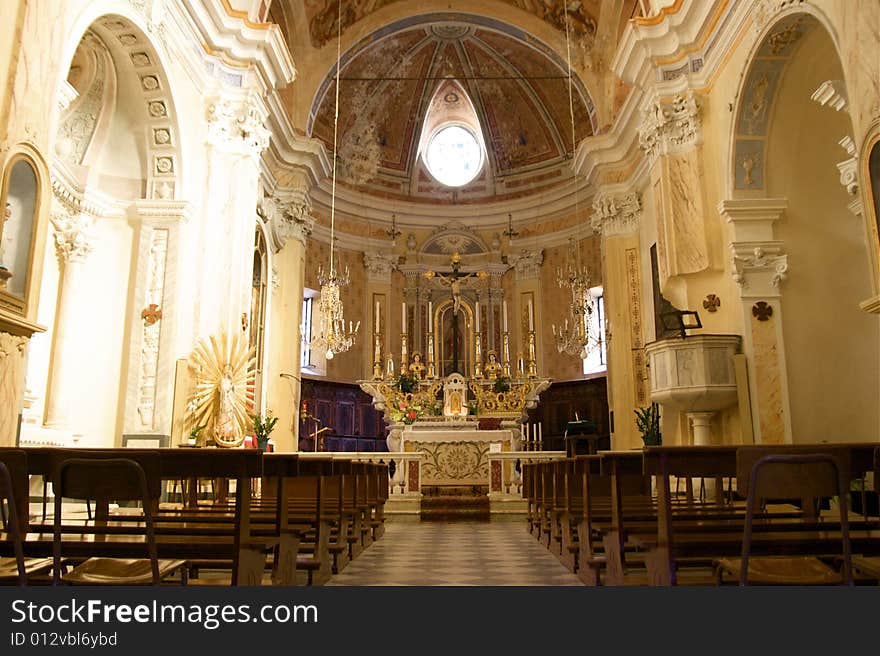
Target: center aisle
[[455, 553]]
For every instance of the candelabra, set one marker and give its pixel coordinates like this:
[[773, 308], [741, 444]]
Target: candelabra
[[404, 358], [430, 372], [478, 356], [533, 363], [377, 357], [332, 333]]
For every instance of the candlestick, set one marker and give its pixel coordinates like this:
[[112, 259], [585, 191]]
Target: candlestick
[[377, 316], [477, 309], [430, 317], [531, 316], [430, 372], [504, 312], [403, 317]]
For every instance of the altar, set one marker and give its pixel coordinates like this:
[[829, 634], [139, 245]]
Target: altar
[[456, 452]]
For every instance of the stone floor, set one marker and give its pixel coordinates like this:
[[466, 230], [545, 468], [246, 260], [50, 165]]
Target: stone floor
[[455, 553]]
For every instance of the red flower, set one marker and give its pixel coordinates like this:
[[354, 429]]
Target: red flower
[[412, 414]]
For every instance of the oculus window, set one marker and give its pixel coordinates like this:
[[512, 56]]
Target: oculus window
[[454, 156]]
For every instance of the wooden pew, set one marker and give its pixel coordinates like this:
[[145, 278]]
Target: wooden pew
[[188, 537]]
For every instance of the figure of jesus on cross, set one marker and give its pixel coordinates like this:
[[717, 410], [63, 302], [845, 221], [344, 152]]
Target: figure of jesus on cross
[[454, 280]]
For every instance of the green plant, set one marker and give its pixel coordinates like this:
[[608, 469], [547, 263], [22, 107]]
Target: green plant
[[648, 422], [473, 408], [406, 384], [502, 384], [194, 433], [263, 427]]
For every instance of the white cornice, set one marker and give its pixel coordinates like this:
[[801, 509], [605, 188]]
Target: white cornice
[[641, 43], [681, 40], [238, 39]]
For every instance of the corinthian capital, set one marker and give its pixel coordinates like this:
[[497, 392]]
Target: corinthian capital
[[237, 126], [73, 236], [668, 127], [289, 217], [616, 214], [528, 264], [379, 266]]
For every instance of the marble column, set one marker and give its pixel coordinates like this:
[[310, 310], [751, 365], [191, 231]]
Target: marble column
[[73, 243], [289, 216], [759, 266], [670, 135], [13, 351], [616, 216], [378, 266], [236, 137]]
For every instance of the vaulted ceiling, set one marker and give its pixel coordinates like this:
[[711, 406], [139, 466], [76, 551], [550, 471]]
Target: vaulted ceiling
[[518, 87]]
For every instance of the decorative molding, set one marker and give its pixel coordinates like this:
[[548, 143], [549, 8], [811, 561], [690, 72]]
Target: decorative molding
[[528, 264], [751, 258], [74, 239], [616, 214], [849, 175], [149, 348], [289, 217], [379, 266], [669, 127], [237, 126], [832, 93]]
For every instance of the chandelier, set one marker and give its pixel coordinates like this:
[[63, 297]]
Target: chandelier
[[332, 333], [573, 336]]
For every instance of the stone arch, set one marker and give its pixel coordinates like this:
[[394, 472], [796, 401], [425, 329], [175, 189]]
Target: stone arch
[[828, 345], [131, 40]]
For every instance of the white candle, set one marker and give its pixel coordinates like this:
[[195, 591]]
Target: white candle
[[377, 317], [539, 432], [403, 317], [430, 315], [527, 431], [477, 307], [504, 312], [531, 316]]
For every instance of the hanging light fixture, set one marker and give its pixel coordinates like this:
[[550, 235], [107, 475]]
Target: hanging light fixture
[[332, 333], [574, 335]]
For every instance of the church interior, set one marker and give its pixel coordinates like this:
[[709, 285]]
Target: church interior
[[360, 292]]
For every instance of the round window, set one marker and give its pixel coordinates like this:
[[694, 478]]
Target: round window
[[454, 156]]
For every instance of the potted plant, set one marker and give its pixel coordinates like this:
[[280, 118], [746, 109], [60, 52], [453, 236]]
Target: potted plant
[[648, 422], [193, 438], [263, 427]]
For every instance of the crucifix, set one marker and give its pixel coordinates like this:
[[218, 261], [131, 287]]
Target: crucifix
[[454, 279]]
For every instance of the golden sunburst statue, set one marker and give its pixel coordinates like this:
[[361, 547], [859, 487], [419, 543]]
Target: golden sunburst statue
[[223, 371]]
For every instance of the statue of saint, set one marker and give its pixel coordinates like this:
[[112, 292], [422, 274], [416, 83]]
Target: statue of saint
[[225, 428], [492, 368], [417, 367]]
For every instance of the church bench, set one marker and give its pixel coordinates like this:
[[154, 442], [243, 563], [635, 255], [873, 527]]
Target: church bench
[[232, 540], [695, 537]]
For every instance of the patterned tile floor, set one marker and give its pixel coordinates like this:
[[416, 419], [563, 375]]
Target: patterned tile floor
[[455, 553]]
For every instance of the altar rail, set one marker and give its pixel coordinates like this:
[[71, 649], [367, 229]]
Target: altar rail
[[406, 477], [505, 477]]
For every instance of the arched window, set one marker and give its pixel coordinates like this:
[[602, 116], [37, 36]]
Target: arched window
[[874, 175], [452, 146]]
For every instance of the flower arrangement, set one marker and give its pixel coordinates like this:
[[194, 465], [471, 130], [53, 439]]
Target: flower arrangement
[[401, 410], [502, 384]]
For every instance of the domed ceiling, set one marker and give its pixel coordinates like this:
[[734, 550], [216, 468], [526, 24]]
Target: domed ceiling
[[517, 86]]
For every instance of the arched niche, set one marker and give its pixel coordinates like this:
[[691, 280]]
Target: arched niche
[[20, 200], [873, 181]]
